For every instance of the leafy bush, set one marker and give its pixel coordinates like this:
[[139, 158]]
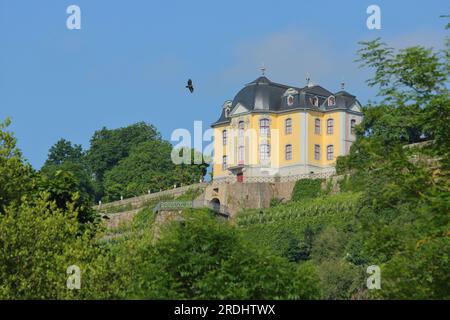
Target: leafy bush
[[306, 189], [38, 243], [196, 257]]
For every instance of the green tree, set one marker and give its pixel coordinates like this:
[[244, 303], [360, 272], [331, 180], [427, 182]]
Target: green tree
[[65, 175], [201, 258], [148, 167], [65, 190], [62, 151], [403, 213], [191, 172], [108, 147], [38, 242], [16, 176]]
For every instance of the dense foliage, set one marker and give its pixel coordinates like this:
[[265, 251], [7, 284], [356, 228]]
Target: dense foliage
[[306, 188], [16, 177], [393, 211], [197, 257], [123, 162], [404, 211], [314, 230], [399, 166]]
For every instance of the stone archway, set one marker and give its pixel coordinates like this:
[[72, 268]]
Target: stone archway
[[215, 204]]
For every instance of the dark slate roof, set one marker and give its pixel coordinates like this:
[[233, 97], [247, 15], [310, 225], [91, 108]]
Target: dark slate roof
[[222, 118], [263, 95], [317, 90]]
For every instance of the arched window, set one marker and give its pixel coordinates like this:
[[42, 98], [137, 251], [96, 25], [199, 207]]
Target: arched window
[[330, 126], [224, 137], [224, 162], [330, 152], [288, 126], [315, 101], [317, 126], [316, 152], [288, 152], [241, 129], [290, 100], [352, 126], [264, 152], [264, 127], [331, 101]]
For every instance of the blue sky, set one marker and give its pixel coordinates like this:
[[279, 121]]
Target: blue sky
[[131, 59]]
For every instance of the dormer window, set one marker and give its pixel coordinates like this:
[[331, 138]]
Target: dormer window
[[331, 101], [290, 100], [315, 101], [226, 108]]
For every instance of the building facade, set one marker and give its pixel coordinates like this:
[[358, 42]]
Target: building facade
[[270, 131]]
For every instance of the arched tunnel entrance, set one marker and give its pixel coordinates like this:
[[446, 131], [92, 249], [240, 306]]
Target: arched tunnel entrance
[[215, 204]]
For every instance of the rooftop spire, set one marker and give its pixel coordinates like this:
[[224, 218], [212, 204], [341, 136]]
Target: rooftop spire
[[263, 69], [342, 84], [308, 80]]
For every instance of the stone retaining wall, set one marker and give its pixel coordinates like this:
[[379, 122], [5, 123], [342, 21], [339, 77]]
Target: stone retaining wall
[[137, 202]]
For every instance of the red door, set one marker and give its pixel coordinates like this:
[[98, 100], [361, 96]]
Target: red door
[[240, 177]]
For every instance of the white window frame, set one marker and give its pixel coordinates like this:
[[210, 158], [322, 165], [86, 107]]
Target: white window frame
[[264, 152], [330, 128], [224, 137], [317, 152], [288, 152], [288, 128], [352, 126], [317, 128], [264, 127], [224, 163], [330, 155]]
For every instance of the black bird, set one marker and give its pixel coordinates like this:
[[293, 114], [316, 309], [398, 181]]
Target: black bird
[[190, 86]]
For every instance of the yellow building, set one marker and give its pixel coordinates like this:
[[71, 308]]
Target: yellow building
[[272, 131]]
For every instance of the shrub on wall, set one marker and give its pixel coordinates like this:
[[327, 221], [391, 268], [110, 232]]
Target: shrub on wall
[[306, 189]]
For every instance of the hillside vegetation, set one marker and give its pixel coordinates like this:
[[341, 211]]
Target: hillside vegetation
[[393, 211], [272, 227]]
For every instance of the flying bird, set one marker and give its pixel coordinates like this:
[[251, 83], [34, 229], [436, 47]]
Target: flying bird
[[190, 86]]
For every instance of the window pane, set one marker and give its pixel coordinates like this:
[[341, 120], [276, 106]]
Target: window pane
[[264, 127], [317, 126], [288, 153], [224, 137], [288, 126], [317, 152], [352, 126], [264, 152], [330, 153], [330, 126], [241, 154]]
